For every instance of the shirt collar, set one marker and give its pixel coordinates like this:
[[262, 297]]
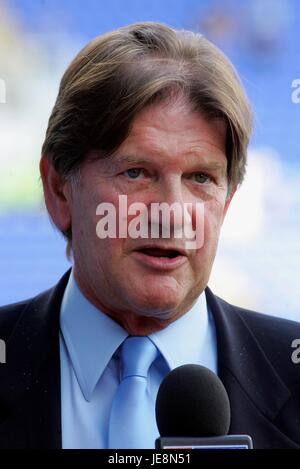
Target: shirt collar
[[92, 337], [189, 339]]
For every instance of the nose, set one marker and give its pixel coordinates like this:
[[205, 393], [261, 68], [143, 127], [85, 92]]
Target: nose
[[171, 191], [171, 208]]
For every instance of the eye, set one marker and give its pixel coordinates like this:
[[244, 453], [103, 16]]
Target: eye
[[202, 178], [133, 173]]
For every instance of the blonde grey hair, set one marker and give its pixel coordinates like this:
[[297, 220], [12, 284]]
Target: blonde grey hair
[[119, 73]]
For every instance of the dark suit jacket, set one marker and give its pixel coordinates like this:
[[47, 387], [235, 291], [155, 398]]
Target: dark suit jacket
[[254, 363]]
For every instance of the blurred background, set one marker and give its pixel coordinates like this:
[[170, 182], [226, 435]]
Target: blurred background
[[258, 261]]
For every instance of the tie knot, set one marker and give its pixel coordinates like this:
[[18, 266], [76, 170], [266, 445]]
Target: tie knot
[[137, 355]]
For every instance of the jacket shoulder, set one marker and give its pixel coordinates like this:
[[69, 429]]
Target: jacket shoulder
[[36, 308], [277, 338], [11, 314], [266, 326]]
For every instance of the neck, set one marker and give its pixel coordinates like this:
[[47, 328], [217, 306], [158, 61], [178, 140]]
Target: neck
[[134, 323]]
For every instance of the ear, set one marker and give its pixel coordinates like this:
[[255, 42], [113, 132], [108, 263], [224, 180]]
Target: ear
[[57, 193], [228, 201]]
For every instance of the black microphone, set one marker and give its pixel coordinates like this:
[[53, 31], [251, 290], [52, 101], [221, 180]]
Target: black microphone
[[193, 412]]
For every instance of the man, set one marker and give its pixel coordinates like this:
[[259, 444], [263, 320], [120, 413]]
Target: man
[[158, 116]]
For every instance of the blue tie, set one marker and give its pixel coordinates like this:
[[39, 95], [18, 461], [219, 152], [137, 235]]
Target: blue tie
[[132, 419]]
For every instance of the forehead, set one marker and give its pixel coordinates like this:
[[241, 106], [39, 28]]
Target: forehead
[[174, 128]]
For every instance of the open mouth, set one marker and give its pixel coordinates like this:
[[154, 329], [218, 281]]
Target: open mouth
[[162, 253], [161, 259]]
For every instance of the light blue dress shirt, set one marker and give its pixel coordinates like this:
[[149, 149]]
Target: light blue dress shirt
[[90, 373]]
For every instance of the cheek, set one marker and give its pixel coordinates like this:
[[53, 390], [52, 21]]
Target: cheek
[[213, 217], [87, 208], [84, 222]]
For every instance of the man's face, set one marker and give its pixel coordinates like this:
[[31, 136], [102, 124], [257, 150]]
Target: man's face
[[171, 155]]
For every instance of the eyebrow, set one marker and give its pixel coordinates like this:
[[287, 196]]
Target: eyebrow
[[117, 160], [213, 166]]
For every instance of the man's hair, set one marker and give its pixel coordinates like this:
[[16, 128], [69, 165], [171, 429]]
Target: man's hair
[[118, 74]]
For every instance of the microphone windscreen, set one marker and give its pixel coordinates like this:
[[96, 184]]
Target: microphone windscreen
[[192, 402]]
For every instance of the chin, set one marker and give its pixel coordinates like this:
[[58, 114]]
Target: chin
[[158, 306]]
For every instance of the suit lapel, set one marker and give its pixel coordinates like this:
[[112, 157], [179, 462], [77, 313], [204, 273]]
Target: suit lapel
[[30, 414], [256, 392]]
